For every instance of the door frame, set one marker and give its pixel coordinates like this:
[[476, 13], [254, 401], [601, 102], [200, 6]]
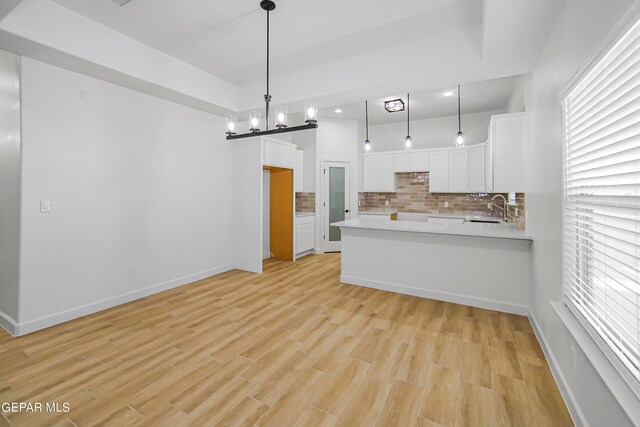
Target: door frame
[[325, 164]]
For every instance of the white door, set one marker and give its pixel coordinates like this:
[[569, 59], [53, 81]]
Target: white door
[[335, 203]]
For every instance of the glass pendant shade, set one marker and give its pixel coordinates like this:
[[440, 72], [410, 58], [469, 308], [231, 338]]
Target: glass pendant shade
[[231, 125], [408, 143], [460, 140], [254, 121], [367, 146], [310, 112], [281, 117]]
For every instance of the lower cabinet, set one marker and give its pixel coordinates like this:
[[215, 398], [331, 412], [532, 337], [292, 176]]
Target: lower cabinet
[[305, 234]]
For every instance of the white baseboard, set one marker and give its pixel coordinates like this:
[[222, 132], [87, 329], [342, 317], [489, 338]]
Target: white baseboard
[[7, 323], [439, 295], [64, 316], [569, 399]]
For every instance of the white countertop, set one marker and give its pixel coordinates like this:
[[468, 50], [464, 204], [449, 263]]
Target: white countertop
[[473, 229], [379, 212], [301, 214]]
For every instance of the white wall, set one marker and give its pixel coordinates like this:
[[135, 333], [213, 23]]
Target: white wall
[[581, 27], [306, 141], [9, 187], [135, 182], [337, 140], [431, 133]]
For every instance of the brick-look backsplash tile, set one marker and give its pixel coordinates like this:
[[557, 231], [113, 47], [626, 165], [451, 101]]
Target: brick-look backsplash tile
[[305, 202], [413, 195]]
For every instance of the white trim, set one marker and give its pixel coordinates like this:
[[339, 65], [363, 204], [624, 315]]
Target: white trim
[[618, 31], [83, 310], [7, 323], [438, 295], [618, 386], [569, 399]]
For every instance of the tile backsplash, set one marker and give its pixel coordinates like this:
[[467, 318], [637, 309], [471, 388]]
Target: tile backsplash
[[305, 202], [412, 195]]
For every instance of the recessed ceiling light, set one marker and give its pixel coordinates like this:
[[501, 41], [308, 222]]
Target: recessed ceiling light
[[448, 93], [337, 110]]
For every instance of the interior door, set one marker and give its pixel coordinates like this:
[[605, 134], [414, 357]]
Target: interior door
[[335, 203]]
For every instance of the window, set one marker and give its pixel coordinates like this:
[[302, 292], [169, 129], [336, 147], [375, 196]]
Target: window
[[602, 202]]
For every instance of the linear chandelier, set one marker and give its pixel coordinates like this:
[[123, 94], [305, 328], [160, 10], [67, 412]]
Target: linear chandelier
[[310, 107]]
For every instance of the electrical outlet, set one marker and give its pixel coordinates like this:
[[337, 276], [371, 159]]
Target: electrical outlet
[[45, 206], [446, 204], [573, 356], [386, 202], [488, 205], [133, 273], [85, 95]]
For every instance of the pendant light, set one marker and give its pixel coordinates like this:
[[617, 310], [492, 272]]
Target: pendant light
[[460, 135], [255, 125], [367, 143], [408, 142]]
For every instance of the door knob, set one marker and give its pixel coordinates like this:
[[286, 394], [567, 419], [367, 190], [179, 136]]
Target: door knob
[[347, 211]]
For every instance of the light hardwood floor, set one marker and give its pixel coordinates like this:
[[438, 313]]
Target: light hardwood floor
[[290, 347]]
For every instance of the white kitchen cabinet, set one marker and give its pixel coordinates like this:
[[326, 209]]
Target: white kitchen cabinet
[[298, 172], [439, 173], [458, 170], [419, 161], [506, 153], [401, 162], [476, 168], [305, 234], [279, 154], [386, 177], [370, 172], [378, 173], [414, 161]]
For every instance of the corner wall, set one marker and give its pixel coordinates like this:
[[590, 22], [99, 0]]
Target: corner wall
[[581, 27], [9, 188], [139, 189]]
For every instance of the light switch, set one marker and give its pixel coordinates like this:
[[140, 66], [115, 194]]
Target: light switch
[[446, 204], [45, 206], [85, 95]]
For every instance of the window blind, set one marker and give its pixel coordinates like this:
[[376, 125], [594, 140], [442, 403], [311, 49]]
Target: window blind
[[602, 200]]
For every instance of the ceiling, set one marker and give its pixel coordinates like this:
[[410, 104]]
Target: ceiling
[[488, 95], [227, 38], [334, 51]]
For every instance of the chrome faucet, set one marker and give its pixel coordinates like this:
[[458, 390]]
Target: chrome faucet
[[504, 205]]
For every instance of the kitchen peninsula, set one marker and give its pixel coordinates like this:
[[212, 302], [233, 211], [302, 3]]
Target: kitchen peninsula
[[477, 264]]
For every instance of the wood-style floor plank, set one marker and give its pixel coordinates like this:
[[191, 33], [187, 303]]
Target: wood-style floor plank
[[290, 347]]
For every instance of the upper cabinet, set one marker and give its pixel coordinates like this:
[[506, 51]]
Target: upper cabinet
[[379, 173], [439, 172], [279, 154], [414, 161], [458, 171], [476, 168], [298, 172], [505, 159]]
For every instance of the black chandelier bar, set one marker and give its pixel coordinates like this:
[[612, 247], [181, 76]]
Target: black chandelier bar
[[274, 131], [281, 127]]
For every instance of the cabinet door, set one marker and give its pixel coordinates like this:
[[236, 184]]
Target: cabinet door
[[370, 171], [298, 172], [402, 162], [270, 153], [286, 156], [419, 162], [476, 175], [305, 237], [386, 177], [439, 173], [508, 151], [458, 171]]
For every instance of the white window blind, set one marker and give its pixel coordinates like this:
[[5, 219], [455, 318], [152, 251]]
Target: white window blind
[[602, 201]]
